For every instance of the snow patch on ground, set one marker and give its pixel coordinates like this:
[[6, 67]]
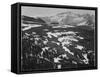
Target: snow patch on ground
[[79, 47], [66, 49], [67, 38], [56, 60], [80, 37], [30, 26], [86, 61], [45, 48]]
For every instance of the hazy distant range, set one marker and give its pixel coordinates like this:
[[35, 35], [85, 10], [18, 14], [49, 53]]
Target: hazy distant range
[[43, 11]]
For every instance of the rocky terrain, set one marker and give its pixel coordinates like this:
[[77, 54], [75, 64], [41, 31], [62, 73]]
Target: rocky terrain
[[63, 41]]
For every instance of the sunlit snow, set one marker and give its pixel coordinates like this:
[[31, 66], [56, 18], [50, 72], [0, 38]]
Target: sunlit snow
[[30, 26], [79, 47]]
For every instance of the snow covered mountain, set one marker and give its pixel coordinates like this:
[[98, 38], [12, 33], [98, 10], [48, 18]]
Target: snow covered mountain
[[62, 19], [70, 18]]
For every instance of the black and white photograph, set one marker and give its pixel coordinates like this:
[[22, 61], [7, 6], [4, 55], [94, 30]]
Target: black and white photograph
[[57, 38], [54, 38]]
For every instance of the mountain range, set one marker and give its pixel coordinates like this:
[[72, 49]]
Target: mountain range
[[65, 18]]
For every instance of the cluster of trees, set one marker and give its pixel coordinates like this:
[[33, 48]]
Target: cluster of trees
[[34, 57]]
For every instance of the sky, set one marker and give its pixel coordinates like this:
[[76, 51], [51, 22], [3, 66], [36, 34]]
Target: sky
[[43, 11]]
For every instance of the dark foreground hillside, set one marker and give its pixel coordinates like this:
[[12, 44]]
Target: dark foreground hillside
[[45, 47]]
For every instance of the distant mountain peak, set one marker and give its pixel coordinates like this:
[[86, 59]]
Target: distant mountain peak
[[71, 18], [64, 18]]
